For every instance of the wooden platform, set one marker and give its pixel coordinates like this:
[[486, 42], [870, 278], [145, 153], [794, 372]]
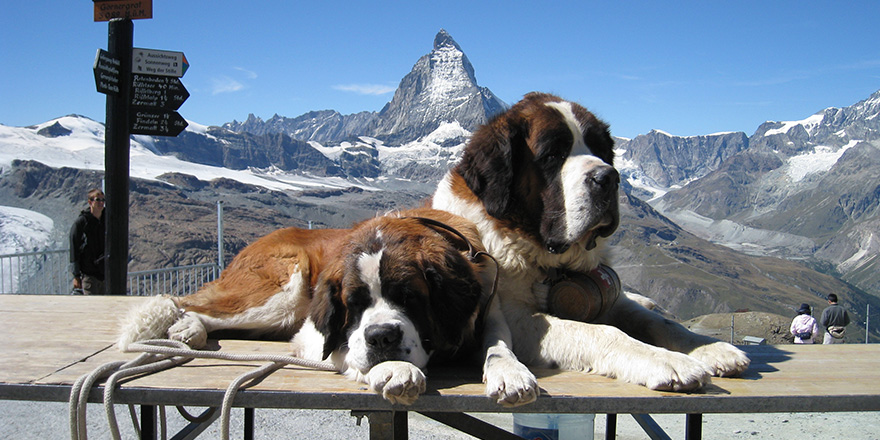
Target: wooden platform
[[50, 341]]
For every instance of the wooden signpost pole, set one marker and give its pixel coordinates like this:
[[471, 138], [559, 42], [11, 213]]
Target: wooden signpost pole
[[116, 160]]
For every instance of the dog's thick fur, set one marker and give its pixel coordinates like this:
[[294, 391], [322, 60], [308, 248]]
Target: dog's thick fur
[[379, 300], [539, 183]]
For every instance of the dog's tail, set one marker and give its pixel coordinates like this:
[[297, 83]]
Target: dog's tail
[[150, 320]]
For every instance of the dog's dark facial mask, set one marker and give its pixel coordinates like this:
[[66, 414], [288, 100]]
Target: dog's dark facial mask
[[404, 291], [563, 158]]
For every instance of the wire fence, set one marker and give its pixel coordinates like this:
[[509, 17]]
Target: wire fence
[[43, 272], [47, 273], [175, 281]]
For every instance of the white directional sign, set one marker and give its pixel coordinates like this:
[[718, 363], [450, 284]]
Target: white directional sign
[[158, 62]]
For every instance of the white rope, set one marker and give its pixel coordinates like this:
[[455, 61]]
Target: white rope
[[110, 385], [79, 392], [153, 346], [233, 388], [161, 354]]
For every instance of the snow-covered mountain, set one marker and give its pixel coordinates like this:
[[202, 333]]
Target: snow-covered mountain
[[23, 230], [416, 136], [440, 89], [78, 142], [806, 189], [658, 162]]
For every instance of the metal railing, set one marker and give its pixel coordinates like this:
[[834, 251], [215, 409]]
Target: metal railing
[[43, 272], [48, 273], [175, 281]]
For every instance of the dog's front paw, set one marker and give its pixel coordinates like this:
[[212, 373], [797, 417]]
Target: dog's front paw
[[190, 330], [723, 358], [667, 370], [397, 381], [509, 382]]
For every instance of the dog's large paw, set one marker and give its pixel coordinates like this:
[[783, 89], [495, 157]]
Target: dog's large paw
[[723, 358], [509, 382], [190, 330], [397, 381], [666, 370]]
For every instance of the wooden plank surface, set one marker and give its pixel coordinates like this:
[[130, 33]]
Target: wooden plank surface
[[50, 341]]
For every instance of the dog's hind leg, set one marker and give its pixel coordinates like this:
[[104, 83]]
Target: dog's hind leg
[[151, 320]]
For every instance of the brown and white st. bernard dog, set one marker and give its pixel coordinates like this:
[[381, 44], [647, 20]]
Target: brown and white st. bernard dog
[[539, 183], [379, 300]]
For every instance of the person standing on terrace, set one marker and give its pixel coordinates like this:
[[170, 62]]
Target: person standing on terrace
[[87, 247]]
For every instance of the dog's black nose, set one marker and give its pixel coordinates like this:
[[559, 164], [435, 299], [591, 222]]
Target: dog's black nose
[[383, 336], [605, 177]]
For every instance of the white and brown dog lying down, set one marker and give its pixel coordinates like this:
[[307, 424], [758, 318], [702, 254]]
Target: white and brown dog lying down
[[539, 183], [379, 300]]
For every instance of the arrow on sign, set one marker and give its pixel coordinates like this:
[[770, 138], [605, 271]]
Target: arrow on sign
[[158, 62], [156, 121], [157, 91], [106, 70]]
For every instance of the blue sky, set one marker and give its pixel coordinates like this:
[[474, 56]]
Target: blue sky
[[688, 68]]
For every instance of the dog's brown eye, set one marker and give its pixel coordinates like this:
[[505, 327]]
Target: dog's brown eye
[[401, 295], [358, 299]]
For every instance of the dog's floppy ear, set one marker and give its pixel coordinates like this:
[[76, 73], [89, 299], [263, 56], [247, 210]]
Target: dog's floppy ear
[[455, 294], [487, 165], [327, 310]]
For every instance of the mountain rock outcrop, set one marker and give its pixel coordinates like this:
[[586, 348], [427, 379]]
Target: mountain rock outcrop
[[440, 88], [667, 161], [807, 190]]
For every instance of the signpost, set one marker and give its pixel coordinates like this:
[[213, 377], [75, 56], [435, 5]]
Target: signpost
[[157, 91], [106, 10], [107, 72], [159, 62], [143, 93], [156, 121], [116, 160]]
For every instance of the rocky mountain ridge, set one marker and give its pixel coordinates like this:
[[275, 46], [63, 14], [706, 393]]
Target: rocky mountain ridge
[[441, 88], [806, 190]]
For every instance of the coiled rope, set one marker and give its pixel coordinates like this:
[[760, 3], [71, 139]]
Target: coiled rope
[[161, 354]]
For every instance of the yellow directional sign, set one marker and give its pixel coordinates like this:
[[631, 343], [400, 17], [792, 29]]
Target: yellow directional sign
[[106, 10]]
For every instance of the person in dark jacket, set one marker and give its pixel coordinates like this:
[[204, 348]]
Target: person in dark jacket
[[835, 319], [87, 247]]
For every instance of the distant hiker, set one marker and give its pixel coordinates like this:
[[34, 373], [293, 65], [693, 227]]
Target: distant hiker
[[804, 326], [835, 319], [87, 247]]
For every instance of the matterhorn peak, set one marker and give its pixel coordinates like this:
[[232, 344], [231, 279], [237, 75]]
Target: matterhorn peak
[[444, 39], [441, 87]]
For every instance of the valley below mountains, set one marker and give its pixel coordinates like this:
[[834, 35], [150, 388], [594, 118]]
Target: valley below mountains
[[725, 223]]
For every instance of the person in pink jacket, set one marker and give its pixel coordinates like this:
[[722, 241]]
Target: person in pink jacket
[[804, 327]]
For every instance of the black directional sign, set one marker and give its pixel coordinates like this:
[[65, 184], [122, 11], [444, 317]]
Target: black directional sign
[[156, 121], [156, 91], [106, 70]]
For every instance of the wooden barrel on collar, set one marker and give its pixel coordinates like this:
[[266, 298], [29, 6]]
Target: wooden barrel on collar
[[583, 296]]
